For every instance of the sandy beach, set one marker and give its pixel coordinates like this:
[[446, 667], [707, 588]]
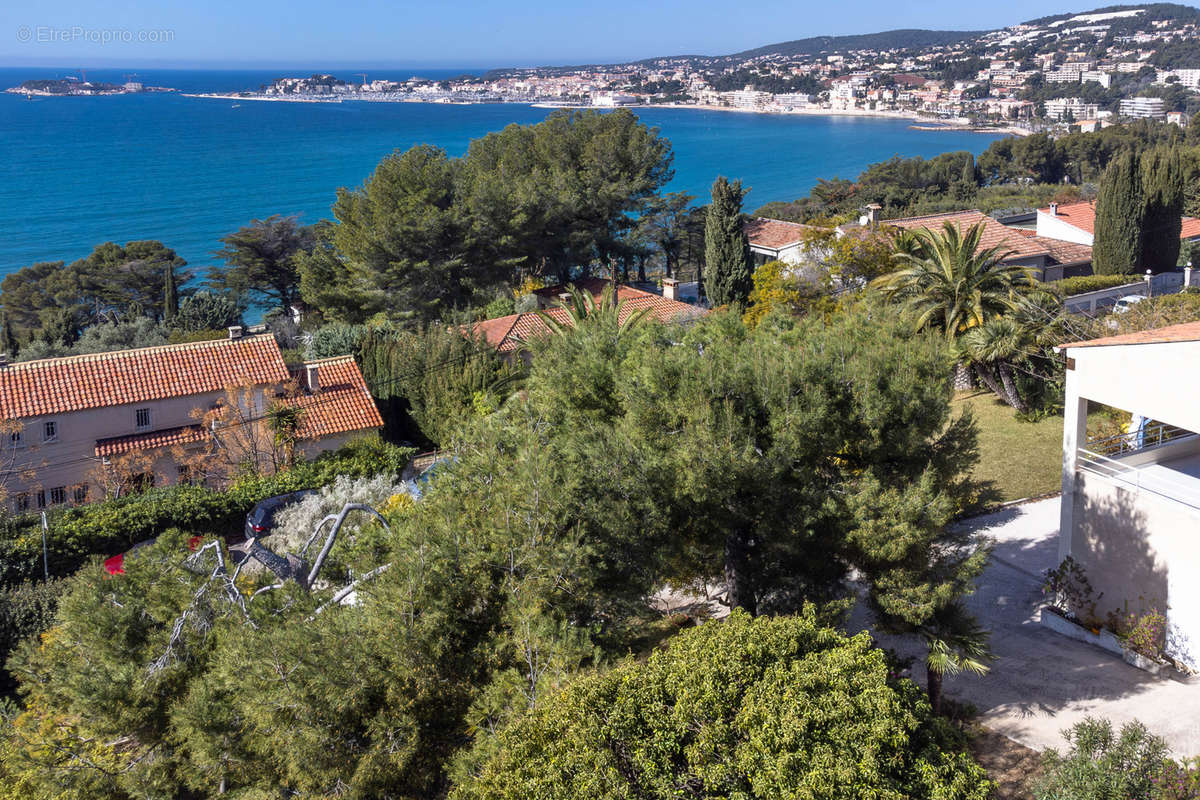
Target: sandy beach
[[927, 123]]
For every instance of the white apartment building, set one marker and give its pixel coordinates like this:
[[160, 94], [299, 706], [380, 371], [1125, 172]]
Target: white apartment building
[[793, 99], [1070, 108], [749, 98], [1143, 107], [1188, 78]]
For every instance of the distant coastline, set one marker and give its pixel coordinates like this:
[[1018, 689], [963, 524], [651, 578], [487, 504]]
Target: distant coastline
[[929, 123]]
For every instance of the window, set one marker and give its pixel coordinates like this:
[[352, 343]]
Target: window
[[21, 503], [58, 495], [184, 473], [80, 493], [142, 419], [16, 439], [49, 430], [41, 498], [140, 482]]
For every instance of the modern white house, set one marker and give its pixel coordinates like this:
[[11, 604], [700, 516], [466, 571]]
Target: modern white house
[[1130, 513], [1076, 222]]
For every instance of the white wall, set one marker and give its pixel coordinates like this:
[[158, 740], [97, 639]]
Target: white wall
[[1058, 228], [1141, 551], [1160, 381]]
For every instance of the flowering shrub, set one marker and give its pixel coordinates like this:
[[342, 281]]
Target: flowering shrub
[[295, 523], [1146, 633], [1179, 781]]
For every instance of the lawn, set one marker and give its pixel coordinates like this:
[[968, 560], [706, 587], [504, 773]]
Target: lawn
[[1022, 459]]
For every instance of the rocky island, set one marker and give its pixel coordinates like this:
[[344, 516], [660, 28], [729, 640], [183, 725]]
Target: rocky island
[[57, 87]]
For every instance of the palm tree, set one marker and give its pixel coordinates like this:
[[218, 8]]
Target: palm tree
[[1020, 340], [993, 348], [957, 643], [952, 284], [584, 308]]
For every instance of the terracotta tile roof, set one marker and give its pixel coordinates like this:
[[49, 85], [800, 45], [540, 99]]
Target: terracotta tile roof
[[1066, 252], [1185, 332], [75, 383], [774, 234], [169, 437], [994, 233], [342, 404], [1082, 215], [508, 333]]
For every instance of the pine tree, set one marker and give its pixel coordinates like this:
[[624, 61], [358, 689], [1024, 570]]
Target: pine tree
[[1120, 208], [1162, 179], [170, 295], [727, 264]]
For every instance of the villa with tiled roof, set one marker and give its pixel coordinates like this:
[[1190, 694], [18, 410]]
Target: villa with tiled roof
[[72, 417], [1076, 222], [1050, 259], [777, 240], [508, 333]]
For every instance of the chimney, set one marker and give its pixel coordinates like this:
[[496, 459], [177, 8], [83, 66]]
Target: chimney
[[1054, 209], [312, 378], [670, 289], [4, 357], [235, 332]]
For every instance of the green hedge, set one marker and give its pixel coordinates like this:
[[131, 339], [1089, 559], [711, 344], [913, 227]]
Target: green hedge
[[111, 526], [26, 610], [1069, 287]]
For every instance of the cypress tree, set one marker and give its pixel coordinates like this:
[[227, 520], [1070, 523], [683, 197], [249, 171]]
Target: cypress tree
[[1162, 179], [1120, 206], [170, 295], [728, 273], [8, 337]]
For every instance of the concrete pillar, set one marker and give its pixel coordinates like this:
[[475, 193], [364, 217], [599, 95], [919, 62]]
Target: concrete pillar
[[1075, 410]]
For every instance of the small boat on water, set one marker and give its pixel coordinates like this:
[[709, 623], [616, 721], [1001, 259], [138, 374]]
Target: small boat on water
[[236, 105]]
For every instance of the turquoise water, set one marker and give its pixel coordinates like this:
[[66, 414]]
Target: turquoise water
[[78, 171]]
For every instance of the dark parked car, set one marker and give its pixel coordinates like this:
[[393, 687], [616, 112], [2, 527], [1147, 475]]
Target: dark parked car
[[261, 518]]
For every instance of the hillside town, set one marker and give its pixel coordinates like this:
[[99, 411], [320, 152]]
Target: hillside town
[[1082, 71]]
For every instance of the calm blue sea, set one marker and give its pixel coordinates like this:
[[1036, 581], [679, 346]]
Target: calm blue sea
[[78, 171]]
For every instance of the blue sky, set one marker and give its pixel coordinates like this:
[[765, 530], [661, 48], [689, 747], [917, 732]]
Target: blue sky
[[470, 34]]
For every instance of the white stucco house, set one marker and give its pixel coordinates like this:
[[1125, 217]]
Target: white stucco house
[[780, 240], [1130, 511], [1076, 222]]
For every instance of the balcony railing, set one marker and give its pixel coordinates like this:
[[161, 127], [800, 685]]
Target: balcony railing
[[1159, 481], [1152, 435]]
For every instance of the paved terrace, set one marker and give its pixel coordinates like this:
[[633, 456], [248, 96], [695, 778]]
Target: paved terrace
[[1041, 682]]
